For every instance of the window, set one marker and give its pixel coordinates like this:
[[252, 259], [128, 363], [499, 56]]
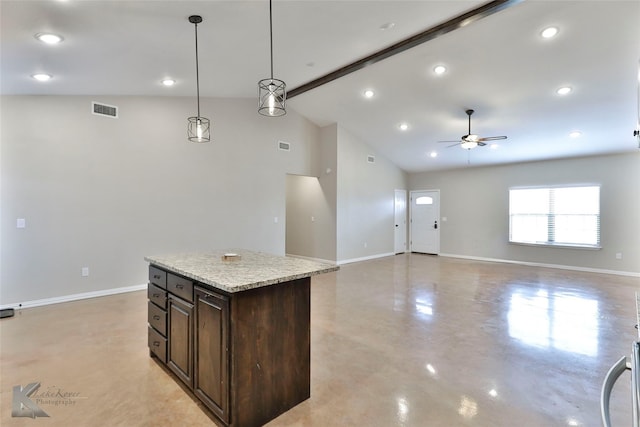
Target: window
[[424, 200], [563, 216]]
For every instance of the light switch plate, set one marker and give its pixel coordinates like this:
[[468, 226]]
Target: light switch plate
[[21, 223]]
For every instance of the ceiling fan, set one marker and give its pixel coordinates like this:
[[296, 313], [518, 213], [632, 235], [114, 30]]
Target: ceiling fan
[[471, 140]]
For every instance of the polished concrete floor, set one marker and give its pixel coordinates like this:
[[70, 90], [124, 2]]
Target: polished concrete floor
[[410, 340]]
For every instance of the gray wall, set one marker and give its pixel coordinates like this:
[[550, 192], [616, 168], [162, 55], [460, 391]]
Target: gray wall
[[351, 200], [103, 193], [475, 202], [310, 219], [365, 200]]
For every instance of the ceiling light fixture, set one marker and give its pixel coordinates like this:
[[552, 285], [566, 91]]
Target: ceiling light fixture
[[387, 26], [49, 38], [575, 134], [198, 129], [41, 77], [272, 93], [368, 93], [168, 82], [549, 32], [433, 154], [403, 126], [439, 69], [563, 90]]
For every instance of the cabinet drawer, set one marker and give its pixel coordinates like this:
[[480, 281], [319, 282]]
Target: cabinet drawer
[[180, 287], [158, 344], [157, 296], [158, 318], [158, 277]]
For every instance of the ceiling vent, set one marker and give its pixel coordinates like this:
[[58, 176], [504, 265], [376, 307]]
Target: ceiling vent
[[371, 159], [104, 110], [284, 146]]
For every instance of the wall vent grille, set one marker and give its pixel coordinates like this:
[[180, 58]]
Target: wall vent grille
[[371, 159], [284, 146], [100, 109]]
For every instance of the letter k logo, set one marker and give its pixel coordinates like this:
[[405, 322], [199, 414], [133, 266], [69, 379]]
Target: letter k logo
[[22, 405]]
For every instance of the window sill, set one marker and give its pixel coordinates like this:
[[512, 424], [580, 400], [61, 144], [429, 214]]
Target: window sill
[[558, 245]]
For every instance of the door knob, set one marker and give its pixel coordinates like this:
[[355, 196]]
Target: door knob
[[435, 224]]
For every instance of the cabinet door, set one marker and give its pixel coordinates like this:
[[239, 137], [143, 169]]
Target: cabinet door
[[180, 332], [211, 383]]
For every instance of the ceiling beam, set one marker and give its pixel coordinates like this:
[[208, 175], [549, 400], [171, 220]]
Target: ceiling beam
[[459, 21]]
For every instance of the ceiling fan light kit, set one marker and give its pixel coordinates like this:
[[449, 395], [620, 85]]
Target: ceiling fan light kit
[[472, 140]]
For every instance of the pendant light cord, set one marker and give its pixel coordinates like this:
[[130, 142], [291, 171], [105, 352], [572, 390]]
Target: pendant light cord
[[271, 37], [197, 71]]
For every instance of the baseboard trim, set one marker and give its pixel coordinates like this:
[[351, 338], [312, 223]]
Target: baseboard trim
[[326, 261], [366, 258], [74, 297], [538, 264]]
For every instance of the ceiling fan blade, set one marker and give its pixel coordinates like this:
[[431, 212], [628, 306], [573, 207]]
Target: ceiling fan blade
[[451, 141], [481, 144], [453, 145], [492, 138]]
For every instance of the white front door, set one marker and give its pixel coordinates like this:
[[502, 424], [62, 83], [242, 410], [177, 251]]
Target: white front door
[[400, 214], [425, 221]]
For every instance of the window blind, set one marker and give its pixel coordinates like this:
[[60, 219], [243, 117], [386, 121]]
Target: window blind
[[564, 216]]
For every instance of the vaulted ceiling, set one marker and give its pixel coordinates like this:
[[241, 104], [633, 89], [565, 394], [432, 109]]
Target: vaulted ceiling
[[499, 65]]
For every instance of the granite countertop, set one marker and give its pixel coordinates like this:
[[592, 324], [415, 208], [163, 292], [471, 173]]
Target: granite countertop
[[251, 270]]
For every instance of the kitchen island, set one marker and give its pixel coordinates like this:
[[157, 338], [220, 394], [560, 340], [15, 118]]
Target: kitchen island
[[234, 327]]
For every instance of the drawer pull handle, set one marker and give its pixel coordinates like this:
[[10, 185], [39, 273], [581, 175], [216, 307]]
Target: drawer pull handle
[[156, 276], [156, 317], [179, 286], [156, 343], [156, 295]]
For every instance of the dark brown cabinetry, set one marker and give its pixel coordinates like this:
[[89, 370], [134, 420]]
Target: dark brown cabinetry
[[170, 317], [179, 357], [211, 350], [245, 355]]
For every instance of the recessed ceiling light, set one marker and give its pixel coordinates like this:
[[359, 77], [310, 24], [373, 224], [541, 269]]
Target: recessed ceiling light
[[41, 77], [439, 69], [49, 38], [549, 32], [563, 90], [494, 146], [403, 126], [433, 154], [575, 134], [168, 82], [387, 26], [369, 93]]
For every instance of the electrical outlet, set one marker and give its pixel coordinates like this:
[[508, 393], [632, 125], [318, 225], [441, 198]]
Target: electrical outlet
[[21, 223], [365, 244], [619, 255], [85, 271]]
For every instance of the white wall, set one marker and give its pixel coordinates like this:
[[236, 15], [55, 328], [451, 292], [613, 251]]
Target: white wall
[[103, 193], [476, 204], [365, 200]]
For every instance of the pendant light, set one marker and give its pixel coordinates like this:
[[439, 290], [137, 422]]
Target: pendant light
[[272, 93], [198, 129]]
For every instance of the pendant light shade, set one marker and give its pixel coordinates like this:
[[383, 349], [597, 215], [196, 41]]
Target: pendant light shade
[[198, 129], [272, 93]]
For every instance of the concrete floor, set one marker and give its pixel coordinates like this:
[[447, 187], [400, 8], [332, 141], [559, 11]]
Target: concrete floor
[[410, 340]]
